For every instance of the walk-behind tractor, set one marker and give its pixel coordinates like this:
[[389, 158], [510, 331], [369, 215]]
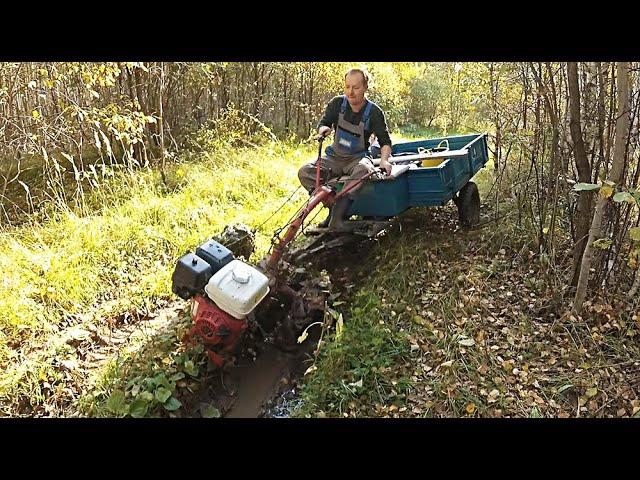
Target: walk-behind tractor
[[227, 294]]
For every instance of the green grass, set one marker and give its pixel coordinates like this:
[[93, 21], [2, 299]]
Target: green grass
[[416, 132], [77, 269], [351, 368]]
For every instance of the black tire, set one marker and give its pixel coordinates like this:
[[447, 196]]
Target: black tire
[[468, 203]]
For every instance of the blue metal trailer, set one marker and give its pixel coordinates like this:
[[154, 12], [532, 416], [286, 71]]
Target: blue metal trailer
[[426, 174]]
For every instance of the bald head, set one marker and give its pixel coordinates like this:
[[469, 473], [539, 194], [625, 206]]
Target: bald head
[[358, 73]]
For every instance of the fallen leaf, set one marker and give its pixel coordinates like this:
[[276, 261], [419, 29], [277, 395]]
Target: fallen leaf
[[210, 411], [419, 320], [591, 392]]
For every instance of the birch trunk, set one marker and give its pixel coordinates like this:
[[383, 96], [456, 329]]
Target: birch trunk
[[621, 134]]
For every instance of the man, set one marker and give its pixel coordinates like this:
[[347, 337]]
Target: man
[[374, 149], [354, 119]]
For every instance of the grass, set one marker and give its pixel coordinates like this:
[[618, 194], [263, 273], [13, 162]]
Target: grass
[[91, 269], [443, 323], [351, 366]]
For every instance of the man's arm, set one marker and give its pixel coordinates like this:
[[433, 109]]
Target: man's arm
[[385, 153], [330, 116], [382, 132]]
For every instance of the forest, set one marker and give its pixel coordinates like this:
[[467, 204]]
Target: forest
[[111, 171]]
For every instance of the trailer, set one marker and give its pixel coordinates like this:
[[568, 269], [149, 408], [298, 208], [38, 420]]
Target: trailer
[[425, 173]]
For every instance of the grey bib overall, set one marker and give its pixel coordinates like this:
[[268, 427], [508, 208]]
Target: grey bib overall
[[346, 156]]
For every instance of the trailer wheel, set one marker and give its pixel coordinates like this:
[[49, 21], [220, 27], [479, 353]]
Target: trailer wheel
[[468, 203]]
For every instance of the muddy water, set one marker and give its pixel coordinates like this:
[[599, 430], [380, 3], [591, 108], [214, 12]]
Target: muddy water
[[259, 387], [257, 381]]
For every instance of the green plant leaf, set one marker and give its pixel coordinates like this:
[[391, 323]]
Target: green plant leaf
[[579, 187], [190, 368], [210, 412], [591, 392], [161, 379], [149, 383], [162, 394], [420, 320], [176, 376], [535, 413], [116, 403], [146, 396], [172, 404], [564, 387], [138, 408], [624, 197], [602, 243], [634, 233]]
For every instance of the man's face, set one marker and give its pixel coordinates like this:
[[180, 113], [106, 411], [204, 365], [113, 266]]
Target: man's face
[[354, 89]]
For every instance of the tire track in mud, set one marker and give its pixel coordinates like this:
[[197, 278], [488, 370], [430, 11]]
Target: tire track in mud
[[269, 386]]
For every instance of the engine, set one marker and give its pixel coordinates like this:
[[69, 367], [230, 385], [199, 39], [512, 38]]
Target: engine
[[219, 331], [224, 291]]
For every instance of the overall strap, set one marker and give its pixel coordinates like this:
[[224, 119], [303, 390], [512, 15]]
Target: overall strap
[[367, 113], [343, 107]]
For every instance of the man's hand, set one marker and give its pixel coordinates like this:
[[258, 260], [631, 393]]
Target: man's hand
[[384, 164], [323, 131]]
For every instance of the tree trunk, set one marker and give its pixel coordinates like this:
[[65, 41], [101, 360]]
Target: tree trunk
[[161, 121], [619, 156], [583, 212]]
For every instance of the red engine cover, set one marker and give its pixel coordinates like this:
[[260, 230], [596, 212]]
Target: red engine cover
[[219, 331]]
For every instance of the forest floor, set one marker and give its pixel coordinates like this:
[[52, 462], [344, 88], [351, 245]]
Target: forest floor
[[475, 323], [428, 320]]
